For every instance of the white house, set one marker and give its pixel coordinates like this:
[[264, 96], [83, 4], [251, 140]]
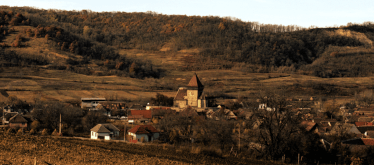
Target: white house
[[148, 132], [104, 131], [265, 107], [91, 102]]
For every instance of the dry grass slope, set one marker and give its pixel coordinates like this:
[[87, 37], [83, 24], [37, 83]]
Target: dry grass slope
[[47, 150]]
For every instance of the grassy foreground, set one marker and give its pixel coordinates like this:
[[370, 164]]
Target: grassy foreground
[[48, 150]]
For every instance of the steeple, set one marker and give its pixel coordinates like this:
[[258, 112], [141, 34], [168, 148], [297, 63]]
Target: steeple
[[195, 82]]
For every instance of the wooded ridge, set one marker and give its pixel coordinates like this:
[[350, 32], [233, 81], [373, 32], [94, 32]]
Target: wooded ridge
[[248, 46]]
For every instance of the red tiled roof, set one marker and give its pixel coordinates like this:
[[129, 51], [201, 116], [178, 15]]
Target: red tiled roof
[[181, 93], [195, 82], [368, 141], [367, 109], [145, 113], [143, 129], [362, 123]]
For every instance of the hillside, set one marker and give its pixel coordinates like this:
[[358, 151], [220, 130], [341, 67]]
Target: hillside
[[66, 55], [199, 43]]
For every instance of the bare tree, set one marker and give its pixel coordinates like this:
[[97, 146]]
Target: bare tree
[[279, 127]]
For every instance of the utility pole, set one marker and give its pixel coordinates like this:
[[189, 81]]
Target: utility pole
[[60, 126], [239, 136], [124, 132], [2, 121]]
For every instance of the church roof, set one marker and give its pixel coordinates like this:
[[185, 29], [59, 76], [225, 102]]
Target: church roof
[[195, 82], [180, 94]]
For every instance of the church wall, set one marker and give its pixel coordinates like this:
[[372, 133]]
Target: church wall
[[192, 97], [181, 103]]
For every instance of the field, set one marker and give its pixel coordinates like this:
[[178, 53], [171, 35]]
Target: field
[[29, 84], [25, 149]]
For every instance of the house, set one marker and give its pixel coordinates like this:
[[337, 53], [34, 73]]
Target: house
[[342, 128], [265, 107], [229, 114], [105, 131], [152, 107], [18, 121], [147, 132], [192, 95], [140, 115], [309, 126], [91, 102]]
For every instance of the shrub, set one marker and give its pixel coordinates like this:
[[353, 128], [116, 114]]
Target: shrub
[[35, 125], [19, 37], [32, 132], [71, 131], [45, 132], [55, 133], [196, 150], [20, 132], [11, 131], [16, 43], [212, 152]]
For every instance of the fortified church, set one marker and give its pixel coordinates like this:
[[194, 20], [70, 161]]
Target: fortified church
[[192, 95]]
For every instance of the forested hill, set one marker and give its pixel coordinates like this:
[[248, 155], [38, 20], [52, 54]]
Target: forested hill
[[248, 46]]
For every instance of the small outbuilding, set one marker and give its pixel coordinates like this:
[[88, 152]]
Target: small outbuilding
[[147, 132], [18, 121], [104, 131]]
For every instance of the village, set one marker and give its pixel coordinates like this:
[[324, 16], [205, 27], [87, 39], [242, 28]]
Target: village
[[351, 123]]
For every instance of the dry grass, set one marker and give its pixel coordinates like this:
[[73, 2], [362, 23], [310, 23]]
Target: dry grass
[[348, 33], [25, 150], [37, 46], [51, 150], [161, 59], [27, 84]]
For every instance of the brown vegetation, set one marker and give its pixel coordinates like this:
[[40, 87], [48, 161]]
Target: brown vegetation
[[69, 151]]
